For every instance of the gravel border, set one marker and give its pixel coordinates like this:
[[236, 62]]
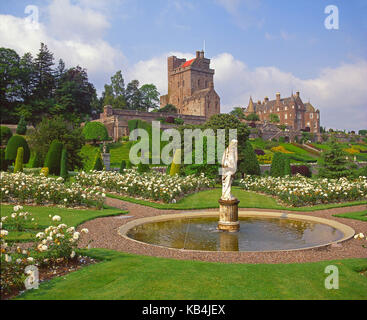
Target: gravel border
[[104, 234]]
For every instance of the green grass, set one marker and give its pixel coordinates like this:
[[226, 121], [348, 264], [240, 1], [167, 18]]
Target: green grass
[[361, 216], [71, 217], [124, 276], [209, 199]]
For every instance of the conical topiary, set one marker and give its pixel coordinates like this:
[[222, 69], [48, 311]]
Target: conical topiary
[[98, 165], [250, 164], [53, 157], [11, 150], [19, 160], [64, 173], [22, 126], [175, 166], [122, 166]]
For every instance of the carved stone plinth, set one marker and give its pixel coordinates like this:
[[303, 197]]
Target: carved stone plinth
[[228, 215], [106, 158]]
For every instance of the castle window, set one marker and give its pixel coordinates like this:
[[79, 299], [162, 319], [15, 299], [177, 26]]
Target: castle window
[[286, 108], [311, 115], [278, 109], [286, 116]]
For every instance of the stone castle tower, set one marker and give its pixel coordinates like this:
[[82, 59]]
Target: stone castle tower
[[191, 87]]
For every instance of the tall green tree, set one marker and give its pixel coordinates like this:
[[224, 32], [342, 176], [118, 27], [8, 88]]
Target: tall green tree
[[238, 112], [335, 162], [134, 96], [149, 97], [74, 95], [115, 93]]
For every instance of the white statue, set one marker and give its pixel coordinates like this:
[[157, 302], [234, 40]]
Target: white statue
[[229, 168]]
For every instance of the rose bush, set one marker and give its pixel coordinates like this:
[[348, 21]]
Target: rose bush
[[301, 191], [39, 189], [149, 185]]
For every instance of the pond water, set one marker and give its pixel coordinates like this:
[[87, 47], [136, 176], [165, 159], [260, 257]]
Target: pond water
[[256, 234]]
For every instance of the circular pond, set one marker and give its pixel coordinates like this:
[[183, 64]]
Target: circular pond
[[257, 233]]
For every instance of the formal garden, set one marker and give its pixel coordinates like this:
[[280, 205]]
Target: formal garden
[[63, 205], [53, 183]]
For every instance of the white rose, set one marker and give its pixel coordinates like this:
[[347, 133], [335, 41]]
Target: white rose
[[56, 218]]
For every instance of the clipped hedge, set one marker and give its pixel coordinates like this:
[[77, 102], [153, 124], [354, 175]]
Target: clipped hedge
[[64, 173], [95, 131], [19, 160], [11, 150], [53, 157], [5, 135], [3, 162], [280, 165], [98, 165]]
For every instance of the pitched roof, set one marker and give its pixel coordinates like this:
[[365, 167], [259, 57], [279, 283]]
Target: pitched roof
[[188, 63]]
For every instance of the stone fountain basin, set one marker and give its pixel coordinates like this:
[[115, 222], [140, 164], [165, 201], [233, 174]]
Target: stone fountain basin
[[229, 243]]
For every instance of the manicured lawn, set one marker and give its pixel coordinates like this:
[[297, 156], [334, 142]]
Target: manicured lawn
[[132, 277], [71, 217], [209, 199], [362, 216]]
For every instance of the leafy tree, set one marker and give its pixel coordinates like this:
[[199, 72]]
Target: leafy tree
[[14, 143], [18, 167], [149, 97], [362, 132], [74, 95], [168, 108], [95, 131], [238, 112], [249, 165], [133, 96], [22, 126], [57, 128], [252, 117], [9, 84], [274, 118], [334, 162], [53, 157]]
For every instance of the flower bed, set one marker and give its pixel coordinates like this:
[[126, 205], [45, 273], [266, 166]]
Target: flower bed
[[300, 191], [57, 244], [151, 185], [20, 187]]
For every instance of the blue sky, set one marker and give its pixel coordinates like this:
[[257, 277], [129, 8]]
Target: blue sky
[[258, 47]]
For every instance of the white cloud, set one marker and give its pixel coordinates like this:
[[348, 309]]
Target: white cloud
[[340, 93], [74, 33]]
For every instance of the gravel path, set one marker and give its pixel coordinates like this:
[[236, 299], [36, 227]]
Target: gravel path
[[104, 234]]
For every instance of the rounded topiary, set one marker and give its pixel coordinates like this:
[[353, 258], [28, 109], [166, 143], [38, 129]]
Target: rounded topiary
[[95, 131], [122, 166], [14, 143], [19, 160], [53, 157], [22, 126], [175, 165], [98, 165], [3, 163], [249, 165], [64, 173], [5, 135]]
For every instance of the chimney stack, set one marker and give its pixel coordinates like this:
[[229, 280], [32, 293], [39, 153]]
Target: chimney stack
[[297, 94], [278, 96], [202, 54], [197, 54], [266, 99]]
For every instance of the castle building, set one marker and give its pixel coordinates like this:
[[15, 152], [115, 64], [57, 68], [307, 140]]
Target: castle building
[[191, 87], [291, 111]]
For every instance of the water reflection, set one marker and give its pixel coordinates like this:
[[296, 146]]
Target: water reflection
[[256, 234]]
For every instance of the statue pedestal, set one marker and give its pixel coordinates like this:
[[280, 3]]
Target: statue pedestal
[[106, 158], [228, 215]]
